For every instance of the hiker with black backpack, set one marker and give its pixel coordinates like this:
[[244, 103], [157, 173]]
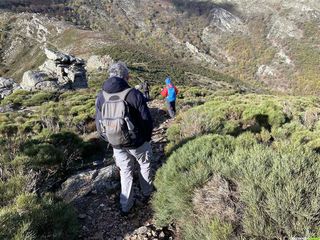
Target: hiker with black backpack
[[124, 120], [170, 93], [146, 90]]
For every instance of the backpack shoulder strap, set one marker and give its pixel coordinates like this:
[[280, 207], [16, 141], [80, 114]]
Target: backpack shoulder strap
[[106, 95], [122, 95]]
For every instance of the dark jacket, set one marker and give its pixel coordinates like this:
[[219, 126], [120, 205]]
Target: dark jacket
[[138, 110]]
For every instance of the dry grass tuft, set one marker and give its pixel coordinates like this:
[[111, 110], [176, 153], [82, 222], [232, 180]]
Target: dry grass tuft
[[218, 199]]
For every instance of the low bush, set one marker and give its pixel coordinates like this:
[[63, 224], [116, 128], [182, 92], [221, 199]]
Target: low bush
[[26, 166], [236, 114], [266, 147], [40, 98], [278, 187], [32, 218], [23, 98], [16, 99]]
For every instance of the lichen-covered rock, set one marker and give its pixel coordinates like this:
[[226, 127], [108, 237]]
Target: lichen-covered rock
[[59, 71], [49, 66], [7, 86], [83, 183], [56, 56], [38, 80]]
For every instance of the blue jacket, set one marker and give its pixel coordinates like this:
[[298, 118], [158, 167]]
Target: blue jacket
[[138, 109]]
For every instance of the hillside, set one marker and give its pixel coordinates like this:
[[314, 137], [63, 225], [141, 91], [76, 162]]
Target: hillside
[[239, 161], [254, 41]]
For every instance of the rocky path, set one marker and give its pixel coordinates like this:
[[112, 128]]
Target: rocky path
[[98, 212]]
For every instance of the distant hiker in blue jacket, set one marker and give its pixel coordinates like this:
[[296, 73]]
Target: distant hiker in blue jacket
[[170, 93], [124, 120]]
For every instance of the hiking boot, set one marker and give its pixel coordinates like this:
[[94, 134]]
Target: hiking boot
[[124, 214], [145, 199]]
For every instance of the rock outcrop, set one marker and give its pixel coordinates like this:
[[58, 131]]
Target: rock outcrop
[[59, 71], [38, 80], [7, 86], [225, 21], [83, 183]]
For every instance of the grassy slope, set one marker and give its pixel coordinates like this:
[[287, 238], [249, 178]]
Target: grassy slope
[[267, 146]]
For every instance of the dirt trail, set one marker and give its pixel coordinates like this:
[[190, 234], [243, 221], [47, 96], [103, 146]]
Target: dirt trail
[[98, 213]]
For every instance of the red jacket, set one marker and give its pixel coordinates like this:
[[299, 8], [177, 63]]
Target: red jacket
[[164, 91]]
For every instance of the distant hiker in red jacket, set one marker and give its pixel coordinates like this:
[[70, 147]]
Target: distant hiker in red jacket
[[170, 93]]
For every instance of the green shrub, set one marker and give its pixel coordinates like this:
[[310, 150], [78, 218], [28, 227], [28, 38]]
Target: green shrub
[[33, 218], [236, 114], [207, 229], [17, 98], [40, 98], [11, 188], [268, 147], [278, 186]]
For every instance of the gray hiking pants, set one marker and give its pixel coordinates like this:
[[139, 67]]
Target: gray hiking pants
[[125, 161], [171, 108]]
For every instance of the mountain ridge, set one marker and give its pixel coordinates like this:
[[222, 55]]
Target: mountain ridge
[[252, 41]]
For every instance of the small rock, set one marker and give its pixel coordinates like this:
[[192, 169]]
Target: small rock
[[162, 235], [85, 229], [91, 212], [119, 238], [82, 216], [94, 192], [97, 163], [142, 230]]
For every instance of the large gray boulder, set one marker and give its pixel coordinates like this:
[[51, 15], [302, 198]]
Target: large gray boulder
[[7, 86], [38, 80], [49, 66], [56, 56], [59, 71], [105, 179]]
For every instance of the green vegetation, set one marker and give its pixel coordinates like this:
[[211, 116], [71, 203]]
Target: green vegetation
[[28, 57], [41, 144], [250, 53], [51, 111], [282, 117], [32, 218], [26, 165], [22, 98], [155, 68], [266, 147], [306, 55]]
